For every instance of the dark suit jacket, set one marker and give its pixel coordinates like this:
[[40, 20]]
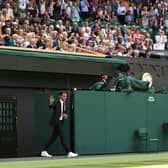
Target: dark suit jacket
[[56, 113], [41, 43]]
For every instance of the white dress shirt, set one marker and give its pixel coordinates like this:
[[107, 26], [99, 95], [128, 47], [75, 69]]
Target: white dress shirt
[[62, 109]]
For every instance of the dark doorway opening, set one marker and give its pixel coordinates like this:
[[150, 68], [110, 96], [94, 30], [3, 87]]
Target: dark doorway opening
[[8, 126]]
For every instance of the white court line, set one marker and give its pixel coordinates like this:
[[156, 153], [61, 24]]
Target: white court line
[[153, 166]]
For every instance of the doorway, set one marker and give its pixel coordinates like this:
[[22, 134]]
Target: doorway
[[8, 126]]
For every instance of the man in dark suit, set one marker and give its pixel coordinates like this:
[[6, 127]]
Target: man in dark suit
[[41, 43], [57, 120]]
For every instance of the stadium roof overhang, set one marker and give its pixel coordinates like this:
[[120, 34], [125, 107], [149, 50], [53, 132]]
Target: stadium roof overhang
[[57, 62]]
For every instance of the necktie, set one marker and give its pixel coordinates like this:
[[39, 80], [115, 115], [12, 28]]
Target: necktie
[[64, 107]]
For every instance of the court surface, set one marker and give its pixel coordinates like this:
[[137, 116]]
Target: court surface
[[149, 160]]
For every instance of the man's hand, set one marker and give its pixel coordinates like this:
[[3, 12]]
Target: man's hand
[[65, 115], [51, 100]]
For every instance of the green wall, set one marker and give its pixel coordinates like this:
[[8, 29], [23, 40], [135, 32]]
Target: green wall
[[106, 122], [42, 128]]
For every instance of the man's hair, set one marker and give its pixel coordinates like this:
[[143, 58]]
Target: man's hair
[[62, 92]]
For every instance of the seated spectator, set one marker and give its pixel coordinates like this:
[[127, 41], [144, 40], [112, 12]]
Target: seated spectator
[[124, 31], [147, 44], [120, 42], [52, 35], [129, 42], [41, 43], [33, 43], [136, 54], [136, 34], [87, 34], [89, 45], [59, 25], [105, 30], [148, 53], [121, 51], [109, 38], [137, 44], [68, 27], [49, 45], [86, 26], [27, 40], [26, 25], [7, 36], [129, 52], [111, 51], [82, 43], [72, 48], [75, 28], [100, 48], [14, 41], [58, 42], [94, 40], [21, 38]]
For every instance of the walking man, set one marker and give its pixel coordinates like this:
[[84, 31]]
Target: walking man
[[57, 121]]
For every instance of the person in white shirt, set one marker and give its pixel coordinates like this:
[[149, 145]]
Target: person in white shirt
[[68, 8], [42, 7], [121, 12], [22, 6], [161, 40], [75, 12]]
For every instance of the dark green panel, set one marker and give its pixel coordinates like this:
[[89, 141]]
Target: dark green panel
[[157, 114], [89, 122], [125, 113], [107, 122], [43, 129]]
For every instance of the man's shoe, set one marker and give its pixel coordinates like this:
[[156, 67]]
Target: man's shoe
[[72, 155], [45, 154]]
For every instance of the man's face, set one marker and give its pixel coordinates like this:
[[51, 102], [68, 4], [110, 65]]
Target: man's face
[[105, 77], [63, 97]]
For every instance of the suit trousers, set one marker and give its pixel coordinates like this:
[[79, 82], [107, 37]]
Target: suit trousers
[[57, 131]]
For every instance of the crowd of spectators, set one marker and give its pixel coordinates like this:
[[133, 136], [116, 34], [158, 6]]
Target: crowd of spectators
[[90, 24]]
